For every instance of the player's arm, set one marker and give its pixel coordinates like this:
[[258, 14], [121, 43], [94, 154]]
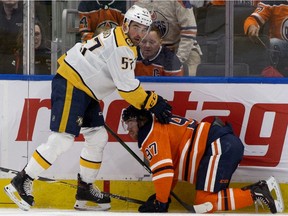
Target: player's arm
[[187, 22], [257, 19], [157, 151], [121, 65]]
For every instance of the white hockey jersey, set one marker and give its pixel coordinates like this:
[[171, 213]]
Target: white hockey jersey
[[102, 65]]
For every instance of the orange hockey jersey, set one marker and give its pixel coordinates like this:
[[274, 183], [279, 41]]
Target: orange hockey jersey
[[96, 16], [174, 151], [276, 14]]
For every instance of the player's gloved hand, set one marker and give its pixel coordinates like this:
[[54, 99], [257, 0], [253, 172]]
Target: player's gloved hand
[[157, 105], [153, 205]]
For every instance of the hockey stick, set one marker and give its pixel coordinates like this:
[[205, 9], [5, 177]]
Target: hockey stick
[[202, 208], [127, 148], [49, 180]]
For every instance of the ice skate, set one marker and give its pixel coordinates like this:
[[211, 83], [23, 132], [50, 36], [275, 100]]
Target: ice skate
[[87, 194], [262, 194], [20, 191]]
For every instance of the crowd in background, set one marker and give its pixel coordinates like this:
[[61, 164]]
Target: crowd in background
[[192, 32]]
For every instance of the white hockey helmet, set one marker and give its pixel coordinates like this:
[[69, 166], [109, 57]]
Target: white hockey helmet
[[139, 15]]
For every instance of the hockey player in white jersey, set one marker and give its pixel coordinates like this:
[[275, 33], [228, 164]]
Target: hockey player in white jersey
[[88, 73]]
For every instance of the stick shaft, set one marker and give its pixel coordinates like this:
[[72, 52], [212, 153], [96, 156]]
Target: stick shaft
[[127, 148], [188, 207]]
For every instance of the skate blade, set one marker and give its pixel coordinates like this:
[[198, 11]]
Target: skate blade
[[12, 193], [273, 185], [84, 205]]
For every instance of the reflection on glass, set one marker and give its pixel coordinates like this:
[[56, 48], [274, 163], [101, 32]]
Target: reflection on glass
[[259, 44], [11, 22]]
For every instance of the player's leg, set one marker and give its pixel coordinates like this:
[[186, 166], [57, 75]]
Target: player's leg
[[223, 158], [96, 138], [219, 168], [266, 192], [67, 106]]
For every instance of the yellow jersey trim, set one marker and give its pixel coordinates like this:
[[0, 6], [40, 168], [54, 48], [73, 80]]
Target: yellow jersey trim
[[66, 71], [136, 97]]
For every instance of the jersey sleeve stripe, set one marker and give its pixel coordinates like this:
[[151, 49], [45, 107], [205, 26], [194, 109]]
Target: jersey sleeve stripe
[[163, 168], [164, 175], [154, 166]]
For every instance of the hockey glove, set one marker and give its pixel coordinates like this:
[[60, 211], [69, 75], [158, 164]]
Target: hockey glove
[[153, 205], [157, 105]]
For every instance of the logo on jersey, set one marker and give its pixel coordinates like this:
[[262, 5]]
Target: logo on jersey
[[161, 22], [79, 121], [285, 29], [156, 72], [259, 9], [107, 24], [129, 42]]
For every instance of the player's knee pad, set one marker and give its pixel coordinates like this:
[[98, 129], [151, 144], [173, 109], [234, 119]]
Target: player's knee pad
[[96, 139], [56, 144]]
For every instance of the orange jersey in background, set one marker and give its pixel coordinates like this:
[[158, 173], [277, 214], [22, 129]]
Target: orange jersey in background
[[94, 18], [276, 14]]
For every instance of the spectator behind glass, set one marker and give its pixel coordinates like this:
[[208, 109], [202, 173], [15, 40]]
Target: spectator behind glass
[[11, 22], [179, 29], [42, 64], [155, 59], [99, 14], [42, 51], [276, 13]]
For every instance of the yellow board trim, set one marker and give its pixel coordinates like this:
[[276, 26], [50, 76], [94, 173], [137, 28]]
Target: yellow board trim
[[61, 196]]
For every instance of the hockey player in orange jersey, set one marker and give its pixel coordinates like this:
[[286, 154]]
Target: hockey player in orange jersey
[[274, 11], [201, 153]]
